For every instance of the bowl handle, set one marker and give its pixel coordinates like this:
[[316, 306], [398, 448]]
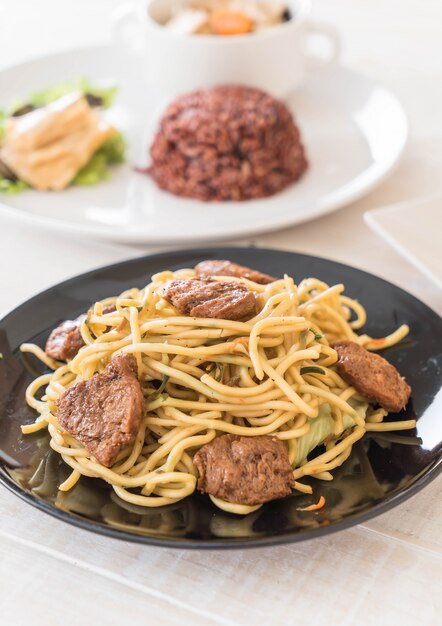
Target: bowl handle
[[127, 32], [325, 31]]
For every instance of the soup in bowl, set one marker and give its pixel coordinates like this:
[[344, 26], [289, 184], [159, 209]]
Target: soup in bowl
[[275, 59]]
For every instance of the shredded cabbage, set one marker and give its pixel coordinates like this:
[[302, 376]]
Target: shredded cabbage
[[321, 428]]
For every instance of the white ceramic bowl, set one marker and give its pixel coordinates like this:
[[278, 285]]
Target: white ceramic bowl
[[275, 59]]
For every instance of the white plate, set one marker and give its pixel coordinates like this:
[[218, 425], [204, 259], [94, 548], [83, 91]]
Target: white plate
[[414, 229], [354, 131]]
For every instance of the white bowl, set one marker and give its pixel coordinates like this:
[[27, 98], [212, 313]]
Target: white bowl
[[275, 60]]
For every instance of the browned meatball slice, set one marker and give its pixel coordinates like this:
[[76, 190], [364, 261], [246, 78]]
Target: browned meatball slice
[[65, 341], [210, 298], [372, 375], [104, 412], [244, 470], [206, 269]]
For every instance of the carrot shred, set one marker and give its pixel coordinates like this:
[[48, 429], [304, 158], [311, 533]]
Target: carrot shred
[[240, 345], [313, 507], [375, 342], [230, 23]]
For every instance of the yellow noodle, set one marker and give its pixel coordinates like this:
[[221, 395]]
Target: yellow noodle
[[302, 488], [390, 426], [71, 481], [230, 507]]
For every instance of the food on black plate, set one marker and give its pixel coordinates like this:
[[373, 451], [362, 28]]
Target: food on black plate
[[373, 376], [227, 143], [244, 470], [240, 389], [104, 413], [206, 269], [202, 297], [65, 341]]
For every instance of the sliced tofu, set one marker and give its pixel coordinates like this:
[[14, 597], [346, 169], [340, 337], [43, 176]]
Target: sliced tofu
[[47, 124]]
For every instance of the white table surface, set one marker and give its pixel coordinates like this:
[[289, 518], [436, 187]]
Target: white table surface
[[387, 571]]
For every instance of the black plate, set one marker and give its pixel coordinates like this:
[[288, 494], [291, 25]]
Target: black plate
[[378, 475]]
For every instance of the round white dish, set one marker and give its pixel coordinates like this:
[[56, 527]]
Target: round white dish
[[354, 131]]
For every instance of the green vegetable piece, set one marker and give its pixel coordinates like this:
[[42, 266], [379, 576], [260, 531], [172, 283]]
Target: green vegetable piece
[[160, 389], [46, 96], [96, 170], [303, 339], [311, 369], [3, 117], [91, 173], [113, 149], [219, 372], [321, 428], [12, 186]]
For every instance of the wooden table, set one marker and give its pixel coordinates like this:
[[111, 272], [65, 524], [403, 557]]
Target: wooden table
[[387, 571]]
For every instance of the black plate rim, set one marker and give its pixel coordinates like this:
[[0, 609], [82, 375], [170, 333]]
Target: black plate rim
[[229, 543], [217, 251], [223, 544]]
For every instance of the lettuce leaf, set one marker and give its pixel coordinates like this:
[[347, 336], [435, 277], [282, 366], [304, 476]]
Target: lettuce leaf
[[46, 96], [97, 169], [3, 116], [12, 186], [321, 427]]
